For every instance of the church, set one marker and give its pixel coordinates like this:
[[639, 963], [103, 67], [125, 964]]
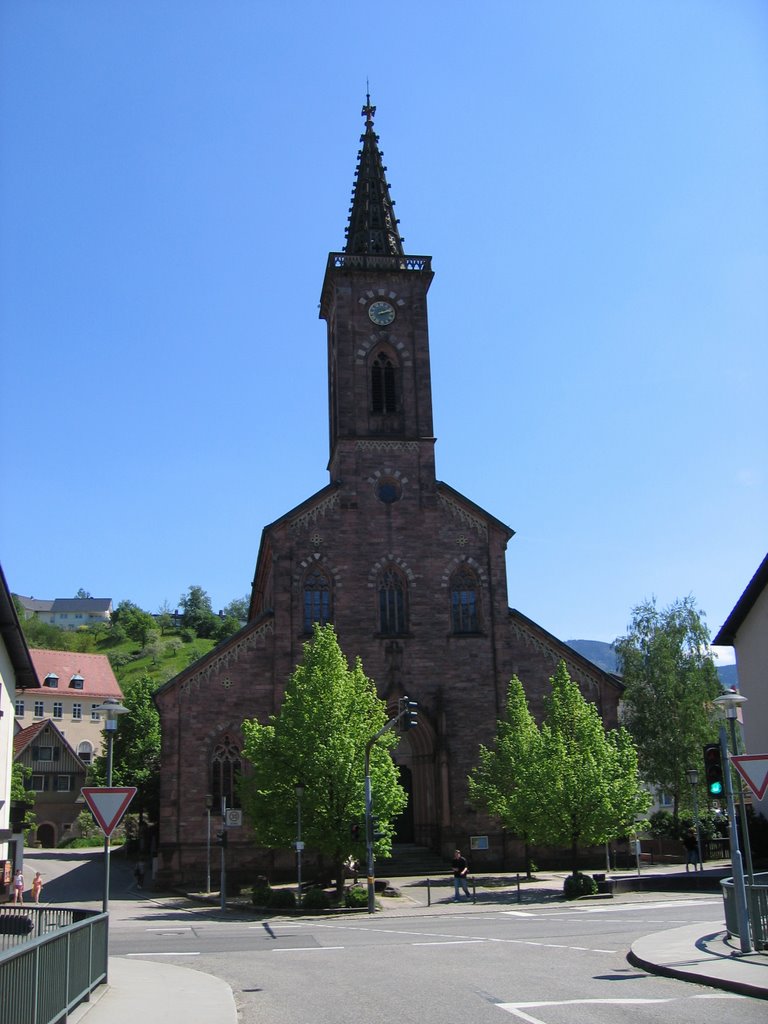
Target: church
[[410, 571]]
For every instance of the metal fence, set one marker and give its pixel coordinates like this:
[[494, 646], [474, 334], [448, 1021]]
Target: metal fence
[[757, 902], [51, 959]]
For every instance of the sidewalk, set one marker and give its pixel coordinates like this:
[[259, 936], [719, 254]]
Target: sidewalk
[[147, 991]]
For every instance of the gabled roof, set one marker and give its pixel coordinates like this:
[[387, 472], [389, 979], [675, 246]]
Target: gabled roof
[[566, 653], [82, 604], [14, 639], [98, 678], [734, 622], [25, 737]]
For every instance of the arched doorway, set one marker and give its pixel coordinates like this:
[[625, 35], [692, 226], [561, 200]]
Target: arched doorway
[[46, 836], [404, 832]]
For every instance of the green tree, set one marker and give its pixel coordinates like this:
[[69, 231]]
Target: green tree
[[22, 797], [198, 613], [165, 618], [83, 595], [505, 780], [136, 749], [238, 608], [671, 681], [134, 622], [589, 787], [328, 715]]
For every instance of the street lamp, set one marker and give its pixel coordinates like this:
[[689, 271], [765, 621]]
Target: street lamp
[[112, 709], [693, 777], [299, 787], [729, 703]]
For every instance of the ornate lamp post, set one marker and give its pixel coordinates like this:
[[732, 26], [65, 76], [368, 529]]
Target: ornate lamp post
[[299, 787], [111, 709], [693, 777]]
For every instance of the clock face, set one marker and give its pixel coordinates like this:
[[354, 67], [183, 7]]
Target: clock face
[[381, 313]]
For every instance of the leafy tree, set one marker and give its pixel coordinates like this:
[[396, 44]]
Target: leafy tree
[[589, 789], [165, 619], [198, 613], [22, 797], [328, 715], [83, 595], [505, 781], [45, 635], [134, 622], [136, 749], [227, 627], [238, 608], [671, 681]]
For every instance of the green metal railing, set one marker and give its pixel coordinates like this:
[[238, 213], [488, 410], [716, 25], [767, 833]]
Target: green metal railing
[[757, 902], [46, 970]]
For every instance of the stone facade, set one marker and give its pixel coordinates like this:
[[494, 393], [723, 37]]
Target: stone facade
[[411, 573]]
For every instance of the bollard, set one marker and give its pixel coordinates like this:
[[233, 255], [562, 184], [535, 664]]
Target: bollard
[[474, 892], [429, 893], [519, 896]]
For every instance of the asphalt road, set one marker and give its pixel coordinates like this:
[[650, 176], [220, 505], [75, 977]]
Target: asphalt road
[[554, 964]]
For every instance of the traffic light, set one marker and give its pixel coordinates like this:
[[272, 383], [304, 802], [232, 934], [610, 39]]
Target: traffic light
[[713, 769], [221, 839], [409, 714]]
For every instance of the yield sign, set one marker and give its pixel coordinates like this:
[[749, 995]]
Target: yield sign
[[753, 768], [108, 805]]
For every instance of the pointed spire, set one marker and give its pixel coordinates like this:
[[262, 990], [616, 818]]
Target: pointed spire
[[372, 228]]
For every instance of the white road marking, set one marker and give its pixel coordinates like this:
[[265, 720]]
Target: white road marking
[[449, 942], [518, 1009], [162, 954], [305, 949]]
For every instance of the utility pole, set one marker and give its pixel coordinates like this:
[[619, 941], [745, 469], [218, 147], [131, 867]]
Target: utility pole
[[407, 713]]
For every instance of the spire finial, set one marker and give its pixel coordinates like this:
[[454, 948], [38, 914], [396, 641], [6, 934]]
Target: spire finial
[[368, 112]]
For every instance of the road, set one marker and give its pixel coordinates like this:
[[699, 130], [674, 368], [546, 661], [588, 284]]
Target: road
[[548, 964]]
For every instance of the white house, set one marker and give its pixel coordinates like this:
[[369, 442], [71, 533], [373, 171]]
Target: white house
[[68, 612], [746, 630]]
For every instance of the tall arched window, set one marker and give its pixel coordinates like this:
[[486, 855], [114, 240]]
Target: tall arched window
[[392, 603], [225, 771], [383, 392], [464, 617], [317, 600]]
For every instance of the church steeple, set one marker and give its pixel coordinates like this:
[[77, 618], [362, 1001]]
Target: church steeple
[[374, 301], [372, 227]]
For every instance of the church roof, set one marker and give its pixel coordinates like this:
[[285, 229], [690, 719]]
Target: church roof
[[372, 228]]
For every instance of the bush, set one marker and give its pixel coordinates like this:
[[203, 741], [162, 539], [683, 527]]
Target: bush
[[356, 896], [261, 893], [316, 899], [282, 898], [579, 885]]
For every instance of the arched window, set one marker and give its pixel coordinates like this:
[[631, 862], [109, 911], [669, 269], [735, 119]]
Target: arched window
[[85, 751], [383, 395], [464, 617], [225, 771], [392, 603], [317, 600]]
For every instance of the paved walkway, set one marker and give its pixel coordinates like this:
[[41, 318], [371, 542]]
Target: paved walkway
[[147, 992]]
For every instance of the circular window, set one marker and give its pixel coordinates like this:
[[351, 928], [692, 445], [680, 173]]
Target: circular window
[[388, 491]]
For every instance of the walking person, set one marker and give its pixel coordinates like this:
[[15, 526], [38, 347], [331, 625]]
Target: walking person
[[460, 872], [692, 853], [18, 887], [37, 886]]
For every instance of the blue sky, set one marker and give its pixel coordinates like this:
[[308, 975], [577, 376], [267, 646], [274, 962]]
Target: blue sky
[[590, 181]]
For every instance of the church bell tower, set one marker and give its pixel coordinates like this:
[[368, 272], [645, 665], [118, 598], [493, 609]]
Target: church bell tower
[[374, 301]]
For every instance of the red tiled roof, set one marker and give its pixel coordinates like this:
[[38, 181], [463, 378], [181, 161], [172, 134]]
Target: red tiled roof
[[98, 678], [25, 736]]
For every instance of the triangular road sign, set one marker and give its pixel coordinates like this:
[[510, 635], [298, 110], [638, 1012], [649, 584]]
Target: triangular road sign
[[108, 805], [753, 768]]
